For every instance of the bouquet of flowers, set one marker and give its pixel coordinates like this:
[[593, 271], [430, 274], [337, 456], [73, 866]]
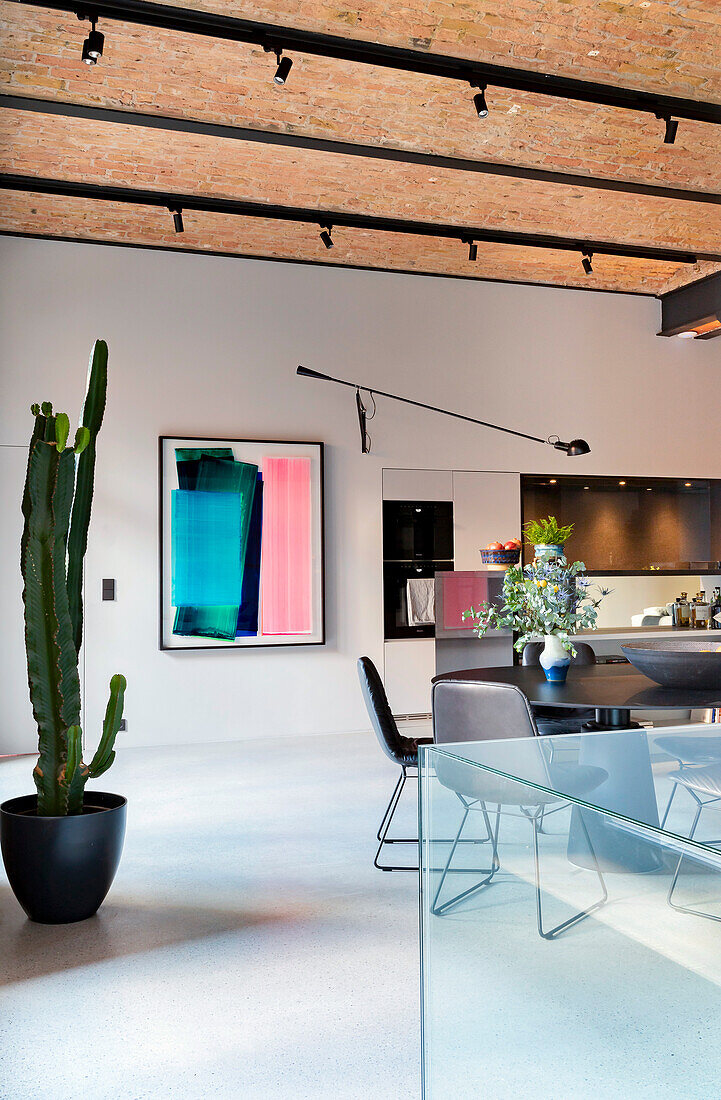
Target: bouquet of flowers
[[547, 597]]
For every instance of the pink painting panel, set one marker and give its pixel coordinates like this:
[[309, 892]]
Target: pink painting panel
[[286, 564]]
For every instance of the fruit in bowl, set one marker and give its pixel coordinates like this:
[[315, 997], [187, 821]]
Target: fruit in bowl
[[501, 553]]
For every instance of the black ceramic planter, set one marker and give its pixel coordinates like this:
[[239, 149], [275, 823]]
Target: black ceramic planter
[[61, 868]]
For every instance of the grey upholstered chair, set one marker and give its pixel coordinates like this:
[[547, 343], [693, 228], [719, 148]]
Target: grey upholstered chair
[[691, 753], [704, 786], [477, 711]]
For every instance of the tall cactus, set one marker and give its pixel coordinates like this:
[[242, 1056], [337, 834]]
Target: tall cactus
[[52, 551]]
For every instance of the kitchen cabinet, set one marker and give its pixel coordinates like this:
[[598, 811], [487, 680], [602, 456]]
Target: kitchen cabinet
[[486, 506]]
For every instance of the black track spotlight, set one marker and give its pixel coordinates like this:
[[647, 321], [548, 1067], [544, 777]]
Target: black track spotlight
[[671, 130], [325, 235], [285, 64], [472, 251], [177, 219], [586, 261], [479, 102], [93, 46]]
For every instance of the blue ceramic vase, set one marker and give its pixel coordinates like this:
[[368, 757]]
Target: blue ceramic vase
[[555, 660]]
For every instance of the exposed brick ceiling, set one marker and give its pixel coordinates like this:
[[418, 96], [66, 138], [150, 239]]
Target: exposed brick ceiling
[[645, 45]]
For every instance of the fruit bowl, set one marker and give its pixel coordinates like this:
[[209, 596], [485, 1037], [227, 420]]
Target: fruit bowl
[[679, 663], [500, 557]]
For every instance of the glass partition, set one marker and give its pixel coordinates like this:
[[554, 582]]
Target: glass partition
[[570, 946]]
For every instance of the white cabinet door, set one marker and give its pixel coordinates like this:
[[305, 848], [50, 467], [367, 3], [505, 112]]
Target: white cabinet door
[[18, 732], [417, 485], [410, 665], [486, 508]]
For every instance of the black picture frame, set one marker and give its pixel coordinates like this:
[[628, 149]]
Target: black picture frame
[[321, 641]]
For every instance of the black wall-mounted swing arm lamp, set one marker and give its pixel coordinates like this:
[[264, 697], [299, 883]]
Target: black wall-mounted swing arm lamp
[[575, 447]]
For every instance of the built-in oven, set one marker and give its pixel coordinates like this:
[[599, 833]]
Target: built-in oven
[[417, 544], [417, 530], [404, 603]]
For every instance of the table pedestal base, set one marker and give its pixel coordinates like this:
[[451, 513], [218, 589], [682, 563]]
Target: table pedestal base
[[629, 790]]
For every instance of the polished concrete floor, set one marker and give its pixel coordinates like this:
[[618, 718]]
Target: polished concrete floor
[[249, 951], [248, 948]]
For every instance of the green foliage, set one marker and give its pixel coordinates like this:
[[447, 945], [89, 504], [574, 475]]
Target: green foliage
[[546, 532], [52, 642], [62, 430], [82, 438], [92, 418], [547, 597]]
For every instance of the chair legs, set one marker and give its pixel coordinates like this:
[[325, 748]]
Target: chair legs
[[685, 908], [583, 913], [490, 872], [387, 819], [382, 835]]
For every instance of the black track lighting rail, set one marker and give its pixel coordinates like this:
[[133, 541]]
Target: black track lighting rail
[[478, 74], [347, 148], [337, 218]]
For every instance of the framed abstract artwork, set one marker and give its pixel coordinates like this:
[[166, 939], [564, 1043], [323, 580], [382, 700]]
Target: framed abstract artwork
[[241, 543]]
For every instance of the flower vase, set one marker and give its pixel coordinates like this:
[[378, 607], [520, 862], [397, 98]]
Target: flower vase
[[554, 660]]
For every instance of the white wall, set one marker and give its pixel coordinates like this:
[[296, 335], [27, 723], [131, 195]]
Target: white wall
[[208, 346]]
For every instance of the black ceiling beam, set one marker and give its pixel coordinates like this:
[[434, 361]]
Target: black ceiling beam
[[337, 218], [272, 37], [347, 148]]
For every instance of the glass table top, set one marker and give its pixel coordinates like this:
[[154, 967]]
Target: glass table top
[[624, 774]]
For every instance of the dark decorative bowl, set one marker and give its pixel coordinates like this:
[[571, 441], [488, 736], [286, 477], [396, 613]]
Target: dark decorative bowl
[[500, 557], [679, 663]]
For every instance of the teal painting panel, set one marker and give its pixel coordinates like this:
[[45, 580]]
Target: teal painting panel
[[206, 548], [206, 622]]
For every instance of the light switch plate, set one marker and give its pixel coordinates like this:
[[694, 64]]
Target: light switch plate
[[108, 589]]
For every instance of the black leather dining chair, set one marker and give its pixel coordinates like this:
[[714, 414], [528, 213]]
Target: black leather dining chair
[[465, 711], [403, 751]]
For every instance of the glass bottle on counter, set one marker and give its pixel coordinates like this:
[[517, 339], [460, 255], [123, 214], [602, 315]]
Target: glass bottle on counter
[[699, 612], [714, 610], [681, 612]]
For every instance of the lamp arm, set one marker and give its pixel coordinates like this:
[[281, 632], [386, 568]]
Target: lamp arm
[[553, 441]]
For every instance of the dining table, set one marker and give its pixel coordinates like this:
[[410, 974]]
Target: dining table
[[614, 692]]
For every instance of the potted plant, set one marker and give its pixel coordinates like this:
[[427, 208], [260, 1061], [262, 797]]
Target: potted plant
[[61, 846], [547, 599], [547, 538]]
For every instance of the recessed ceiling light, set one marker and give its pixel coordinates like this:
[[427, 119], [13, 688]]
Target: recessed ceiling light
[[687, 484], [649, 489], [622, 483], [686, 335], [587, 486], [552, 481]]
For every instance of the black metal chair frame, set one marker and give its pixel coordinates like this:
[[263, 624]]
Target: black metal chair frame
[[382, 834], [535, 816]]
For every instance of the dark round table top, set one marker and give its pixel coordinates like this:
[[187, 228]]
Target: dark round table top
[[617, 687]]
